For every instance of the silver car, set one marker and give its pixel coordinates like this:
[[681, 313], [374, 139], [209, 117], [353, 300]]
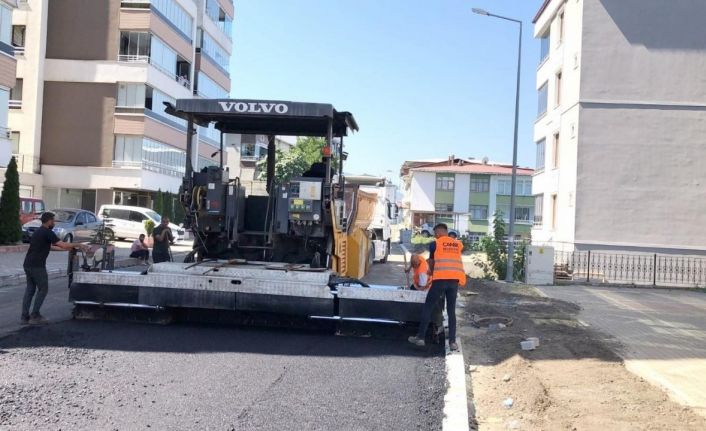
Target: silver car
[[69, 225]]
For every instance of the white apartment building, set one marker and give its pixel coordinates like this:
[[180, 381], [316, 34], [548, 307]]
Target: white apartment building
[[621, 125], [465, 194], [88, 106], [8, 66]]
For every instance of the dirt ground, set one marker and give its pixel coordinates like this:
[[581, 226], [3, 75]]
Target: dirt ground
[[572, 381]]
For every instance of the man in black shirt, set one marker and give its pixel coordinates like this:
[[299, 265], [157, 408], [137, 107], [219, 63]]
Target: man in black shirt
[[43, 240], [162, 236]]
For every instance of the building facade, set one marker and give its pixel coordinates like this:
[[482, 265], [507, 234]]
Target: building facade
[[8, 67], [466, 194], [620, 126], [93, 79]]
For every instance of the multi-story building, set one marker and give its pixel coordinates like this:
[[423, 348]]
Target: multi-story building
[[244, 153], [621, 125], [8, 65], [466, 194], [92, 83]]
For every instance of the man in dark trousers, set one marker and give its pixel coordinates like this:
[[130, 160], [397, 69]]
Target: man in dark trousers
[[35, 265], [162, 238], [448, 273]]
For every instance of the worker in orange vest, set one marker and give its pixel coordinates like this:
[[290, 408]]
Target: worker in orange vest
[[446, 268], [422, 282], [422, 279]]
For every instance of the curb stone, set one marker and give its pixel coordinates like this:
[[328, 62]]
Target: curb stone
[[456, 397]]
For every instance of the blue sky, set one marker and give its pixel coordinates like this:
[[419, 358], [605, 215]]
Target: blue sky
[[423, 78]]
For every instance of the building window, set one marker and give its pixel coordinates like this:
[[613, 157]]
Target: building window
[[163, 57], [480, 185], [540, 154], [560, 25], [15, 138], [208, 88], [205, 161], [18, 36], [219, 17], [543, 47], [134, 47], [5, 25], [138, 151], [444, 208], [538, 209], [176, 15], [542, 105], [16, 94], [558, 89], [214, 51], [523, 214], [523, 187], [555, 151], [445, 183], [555, 210], [131, 95], [479, 212]]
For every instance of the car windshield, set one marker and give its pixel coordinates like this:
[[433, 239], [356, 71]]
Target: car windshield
[[154, 216], [61, 216]]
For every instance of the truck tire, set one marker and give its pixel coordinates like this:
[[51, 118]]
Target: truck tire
[[387, 254]]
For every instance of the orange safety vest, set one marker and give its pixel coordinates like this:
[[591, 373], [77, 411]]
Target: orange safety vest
[[448, 264], [423, 268]]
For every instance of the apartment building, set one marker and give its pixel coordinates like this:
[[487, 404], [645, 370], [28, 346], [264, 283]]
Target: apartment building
[[621, 125], [8, 66], [92, 81], [465, 194], [244, 153]]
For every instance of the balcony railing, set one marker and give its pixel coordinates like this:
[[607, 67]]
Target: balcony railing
[[5, 132], [123, 58], [19, 50], [26, 163], [15, 104], [538, 220]]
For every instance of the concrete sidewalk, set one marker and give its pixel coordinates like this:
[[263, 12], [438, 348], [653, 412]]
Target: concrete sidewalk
[[663, 333]]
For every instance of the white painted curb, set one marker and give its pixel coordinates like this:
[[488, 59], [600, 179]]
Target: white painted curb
[[456, 397]]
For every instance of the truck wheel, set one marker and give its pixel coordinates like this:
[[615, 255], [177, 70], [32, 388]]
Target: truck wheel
[[387, 253]]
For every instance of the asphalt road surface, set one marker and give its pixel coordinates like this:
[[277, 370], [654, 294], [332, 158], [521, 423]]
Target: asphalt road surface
[[115, 375]]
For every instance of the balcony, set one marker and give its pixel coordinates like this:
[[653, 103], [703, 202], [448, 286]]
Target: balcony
[[537, 221], [183, 80]]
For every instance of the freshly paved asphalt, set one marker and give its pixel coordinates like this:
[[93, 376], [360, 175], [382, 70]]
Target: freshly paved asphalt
[[117, 375]]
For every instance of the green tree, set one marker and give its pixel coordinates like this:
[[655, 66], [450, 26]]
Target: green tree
[[178, 211], [296, 161], [159, 202], [168, 205], [10, 228]]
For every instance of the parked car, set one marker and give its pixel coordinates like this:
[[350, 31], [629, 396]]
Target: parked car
[[129, 222], [30, 208], [426, 230], [69, 225]]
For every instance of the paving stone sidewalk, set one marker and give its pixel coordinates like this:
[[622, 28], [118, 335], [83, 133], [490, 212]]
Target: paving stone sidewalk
[[663, 333]]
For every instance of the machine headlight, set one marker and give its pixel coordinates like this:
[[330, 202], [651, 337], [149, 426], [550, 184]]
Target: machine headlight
[[316, 217]]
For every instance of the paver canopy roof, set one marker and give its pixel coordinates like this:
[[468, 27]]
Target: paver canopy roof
[[264, 117]]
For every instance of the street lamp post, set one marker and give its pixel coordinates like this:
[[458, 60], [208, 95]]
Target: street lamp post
[[511, 233]]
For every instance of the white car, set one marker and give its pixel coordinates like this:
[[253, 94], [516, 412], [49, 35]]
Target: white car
[[129, 222]]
